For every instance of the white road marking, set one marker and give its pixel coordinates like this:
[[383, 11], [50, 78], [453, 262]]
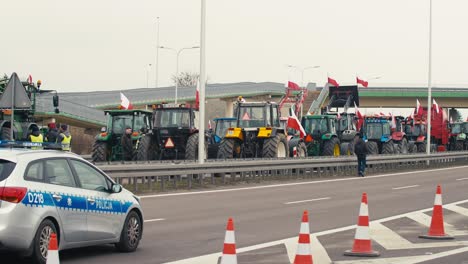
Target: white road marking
[[462, 179], [457, 209], [213, 258], [311, 200], [425, 220], [405, 187], [405, 260], [296, 183], [154, 220], [318, 251]]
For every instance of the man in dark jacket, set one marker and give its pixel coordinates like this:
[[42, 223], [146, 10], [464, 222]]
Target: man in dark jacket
[[360, 149], [52, 133], [127, 144]]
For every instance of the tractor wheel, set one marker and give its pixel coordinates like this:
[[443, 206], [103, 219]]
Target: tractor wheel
[[421, 147], [229, 148], [191, 149], [275, 147], [403, 146], [6, 133], [459, 145], [99, 152], [345, 149], [145, 150], [301, 149], [331, 147], [372, 147], [388, 148]]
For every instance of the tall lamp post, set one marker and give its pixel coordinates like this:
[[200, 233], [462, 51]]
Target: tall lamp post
[[148, 68], [157, 53], [429, 84], [177, 65]]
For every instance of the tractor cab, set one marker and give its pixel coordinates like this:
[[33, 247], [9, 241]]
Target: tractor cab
[[377, 132], [322, 138]]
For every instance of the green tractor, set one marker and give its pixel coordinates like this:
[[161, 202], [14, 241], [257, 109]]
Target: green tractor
[[458, 139], [322, 138], [107, 144], [22, 96], [257, 133]]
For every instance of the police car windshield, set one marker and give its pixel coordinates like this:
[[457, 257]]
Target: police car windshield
[[6, 167]]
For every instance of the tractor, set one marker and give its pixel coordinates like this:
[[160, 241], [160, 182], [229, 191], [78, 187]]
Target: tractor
[[457, 139], [321, 138], [378, 134], [23, 110], [399, 137], [439, 128], [257, 133], [415, 130], [107, 144], [215, 136], [174, 135]]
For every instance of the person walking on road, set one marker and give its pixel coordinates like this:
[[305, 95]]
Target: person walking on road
[[360, 149]]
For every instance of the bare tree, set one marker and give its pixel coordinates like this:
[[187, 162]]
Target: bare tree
[[186, 79]]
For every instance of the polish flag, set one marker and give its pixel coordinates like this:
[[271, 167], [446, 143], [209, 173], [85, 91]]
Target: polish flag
[[393, 124], [333, 82], [338, 116], [293, 85], [197, 95], [125, 103], [362, 82], [357, 112], [418, 107], [30, 81], [293, 122], [434, 104], [209, 124]]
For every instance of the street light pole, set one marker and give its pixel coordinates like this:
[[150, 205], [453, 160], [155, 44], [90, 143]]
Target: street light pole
[[157, 52], [177, 66], [302, 70], [429, 84], [147, 74], [202, 80]]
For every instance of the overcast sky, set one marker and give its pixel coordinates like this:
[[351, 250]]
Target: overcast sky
[[108, 44]]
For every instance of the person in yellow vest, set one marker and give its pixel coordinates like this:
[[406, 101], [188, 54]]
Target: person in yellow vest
[[36, 137], [64, 138]]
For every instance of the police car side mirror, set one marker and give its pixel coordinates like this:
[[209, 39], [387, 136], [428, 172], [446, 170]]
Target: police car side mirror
[[116, 188]]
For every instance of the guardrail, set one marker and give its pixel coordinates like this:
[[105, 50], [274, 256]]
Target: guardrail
[[165, 176]]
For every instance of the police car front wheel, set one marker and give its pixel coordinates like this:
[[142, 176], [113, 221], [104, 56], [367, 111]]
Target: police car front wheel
[[131, 233], [41, 241]]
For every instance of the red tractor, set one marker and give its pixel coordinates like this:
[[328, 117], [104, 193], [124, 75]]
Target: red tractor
[[439, 129]]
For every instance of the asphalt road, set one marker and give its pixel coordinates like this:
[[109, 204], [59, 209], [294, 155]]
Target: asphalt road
[[186, 225]]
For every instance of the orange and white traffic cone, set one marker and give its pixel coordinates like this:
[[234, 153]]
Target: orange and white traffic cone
[[52, 252], [436, 230], [304, 254], [362, 246], [229, 249]]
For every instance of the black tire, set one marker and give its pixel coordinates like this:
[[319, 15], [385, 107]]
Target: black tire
[[421, 147], [191, 149], [99, 152], [459, 145], [403, 146], [396, 148], [275, 147], [131, 233], [345, 149], [388, 148], [301, 148], [6, 133], [145, 150], [372, 148], [41, 241], [411, 147], [229, 148], [330, 147]]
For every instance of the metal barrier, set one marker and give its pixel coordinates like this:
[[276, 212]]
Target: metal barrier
[[164, 176]]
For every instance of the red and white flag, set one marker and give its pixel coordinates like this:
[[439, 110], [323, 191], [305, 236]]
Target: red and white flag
[[362, 82], [209, 124], [418, 107], [393, 124], [292, 85], [197, 95], [125, 103], [338, 116], [333, 82], [293, 122], [357, 112], [30, 80], [435, 105]]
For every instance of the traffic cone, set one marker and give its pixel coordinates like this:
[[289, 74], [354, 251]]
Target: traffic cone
[[52, 252], [304, 254], [229, 249], [436, 230], [362, 246]]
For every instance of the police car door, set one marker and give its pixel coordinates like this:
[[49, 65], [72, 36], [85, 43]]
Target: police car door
[[68, 199], [105, 217]]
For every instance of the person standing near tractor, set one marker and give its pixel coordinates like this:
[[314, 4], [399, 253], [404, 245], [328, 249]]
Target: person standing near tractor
[[127, 144], [36, 137], [52, 133], [360, 149], [64, 138]]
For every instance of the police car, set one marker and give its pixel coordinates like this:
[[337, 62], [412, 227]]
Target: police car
[[45, 191]]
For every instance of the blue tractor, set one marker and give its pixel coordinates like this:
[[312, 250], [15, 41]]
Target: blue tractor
[[378, 134]]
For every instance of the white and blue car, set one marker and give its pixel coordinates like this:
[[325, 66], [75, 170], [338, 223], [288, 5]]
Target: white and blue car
[[45, 191]]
